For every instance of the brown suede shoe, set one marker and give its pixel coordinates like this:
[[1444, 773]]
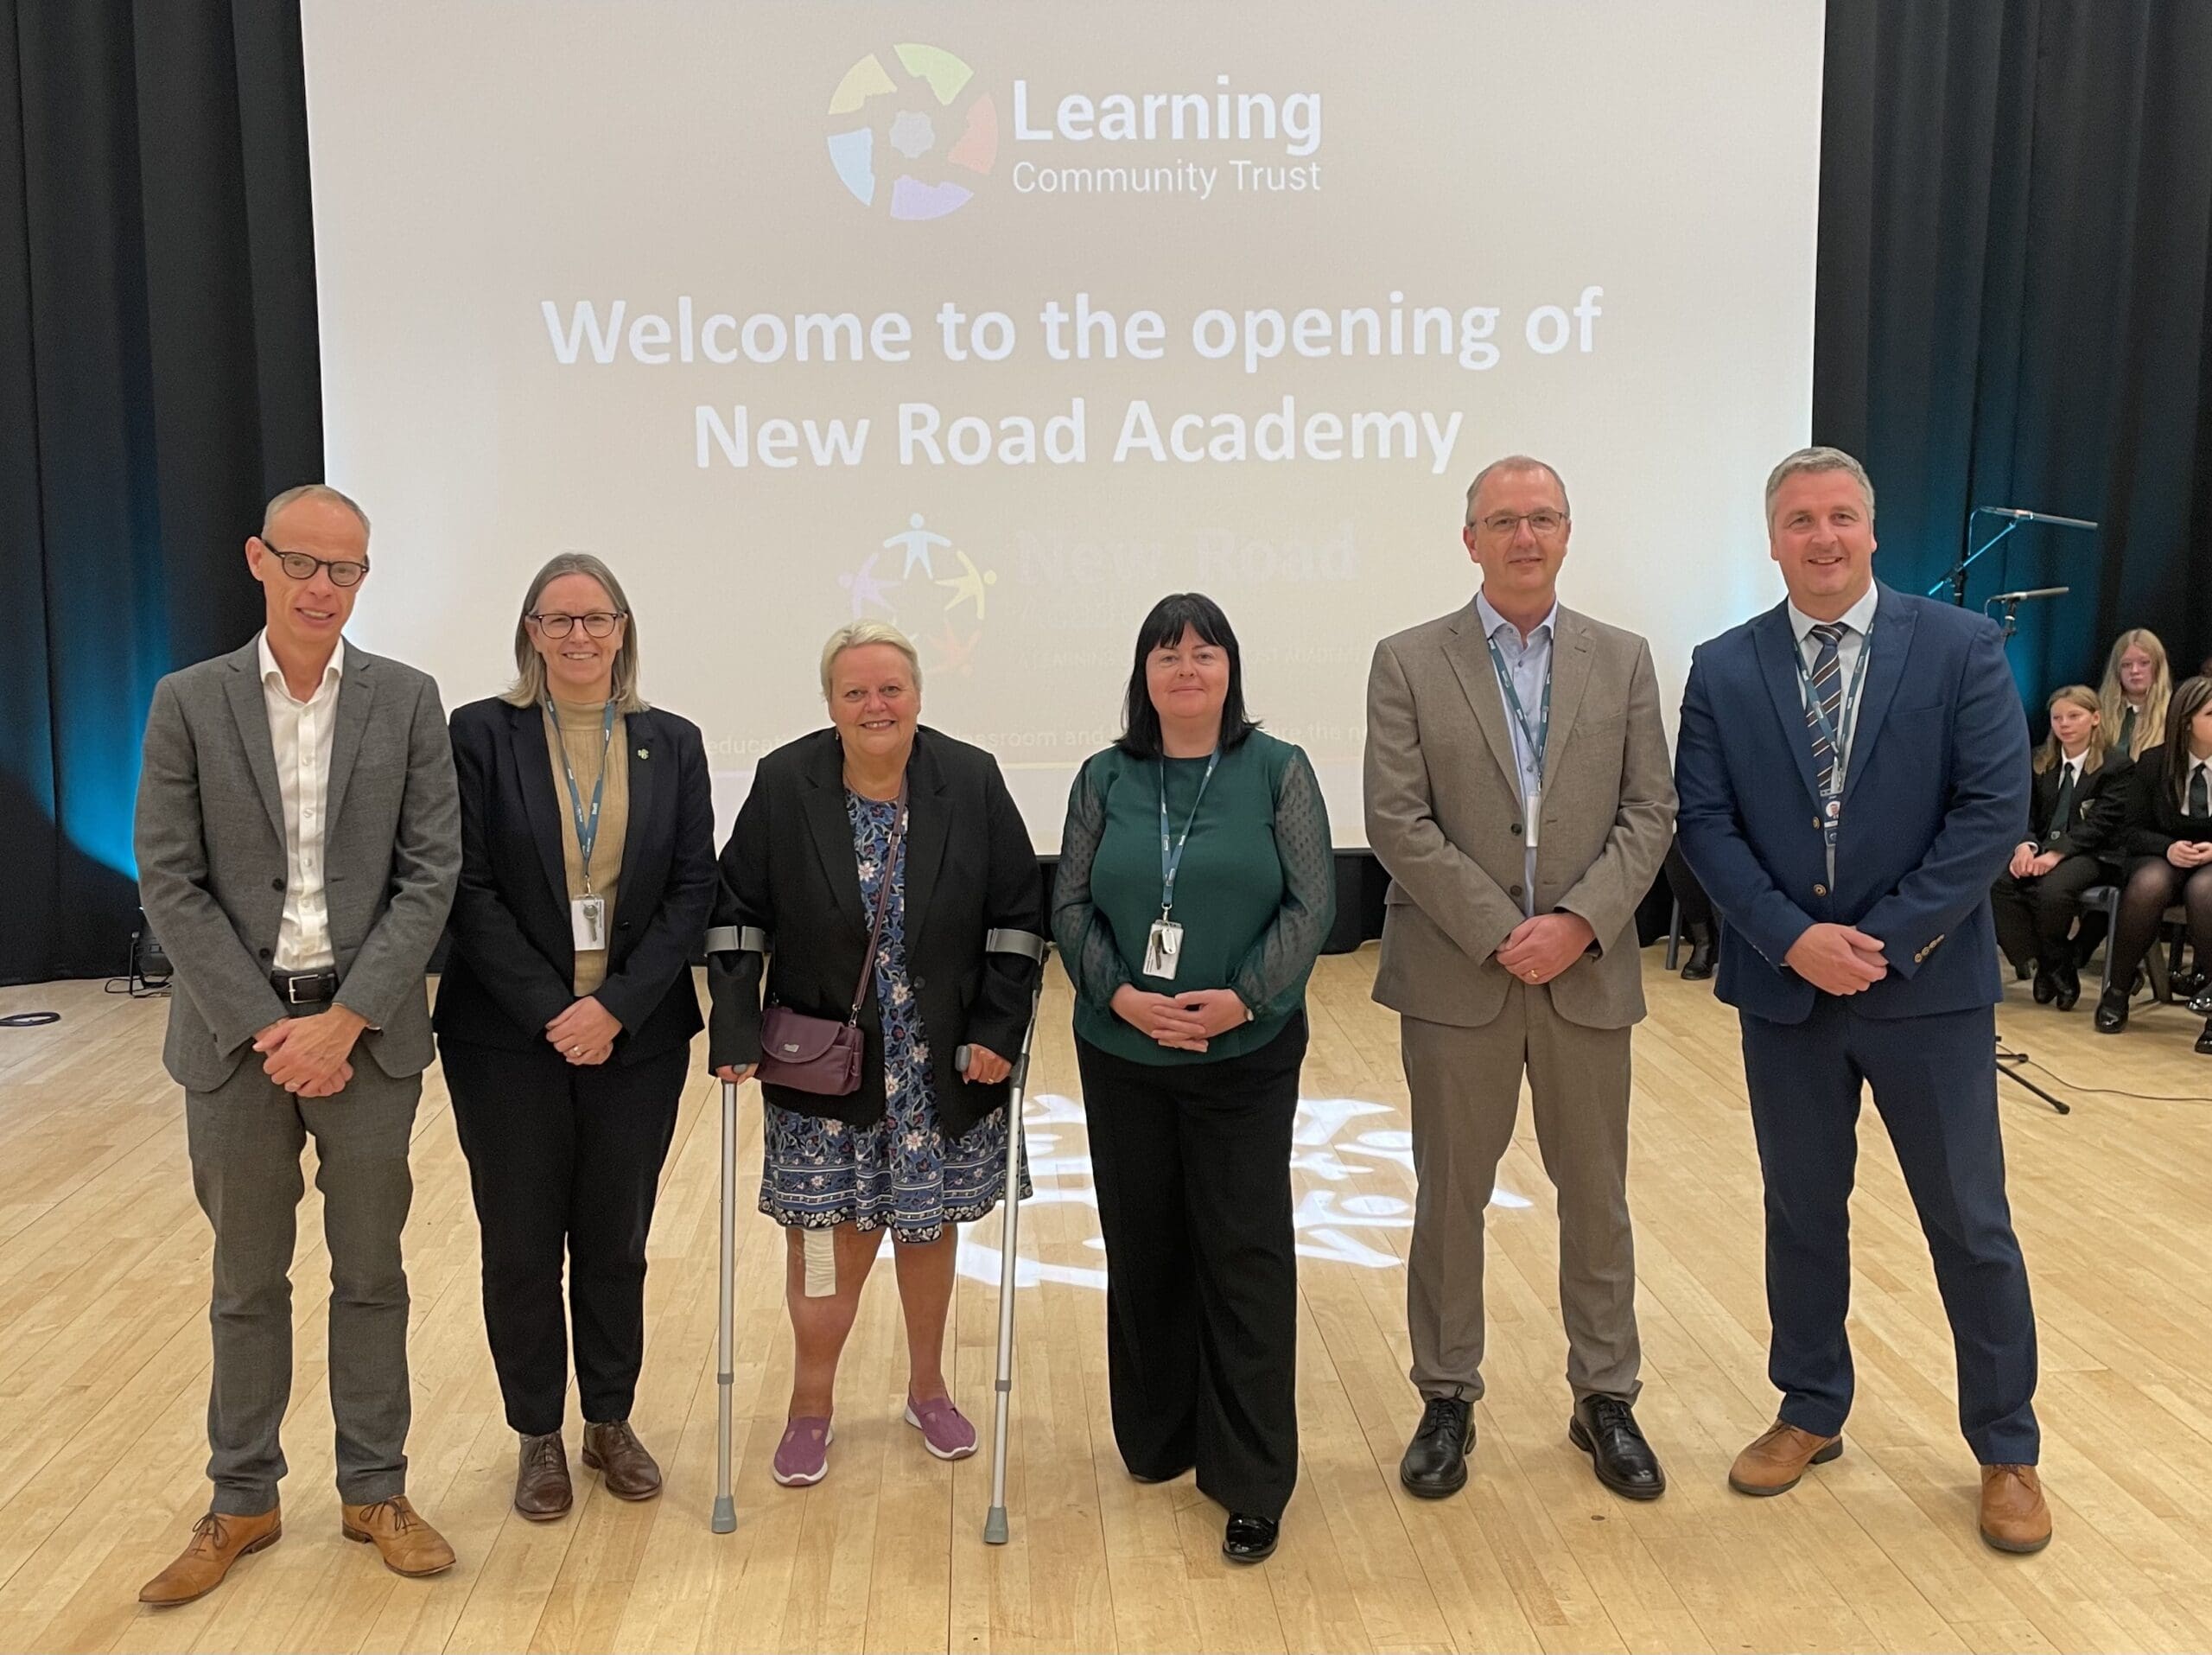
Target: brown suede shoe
[[614, 1451], [542, 1489], [1777, 1458], [218, 1541], [2014, 1517], [410, 1546]]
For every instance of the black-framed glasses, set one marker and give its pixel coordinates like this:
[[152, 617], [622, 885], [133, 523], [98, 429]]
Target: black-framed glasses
[[1504, 523], [597, 623], [302, 566]]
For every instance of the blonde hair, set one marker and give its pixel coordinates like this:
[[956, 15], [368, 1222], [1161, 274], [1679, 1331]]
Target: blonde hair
[[859, 634], [310, 491], [2076, 695], [2150, 723], [1818, 459], [529, 687]]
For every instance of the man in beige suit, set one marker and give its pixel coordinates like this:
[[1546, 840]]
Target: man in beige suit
[[1519, 794]]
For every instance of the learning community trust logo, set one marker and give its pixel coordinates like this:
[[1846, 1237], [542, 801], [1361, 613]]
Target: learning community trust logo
[[919, 581], [929, 127]]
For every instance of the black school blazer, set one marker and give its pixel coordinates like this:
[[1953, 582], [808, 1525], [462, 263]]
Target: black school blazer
[[789, 869], [2099, 819], [511, 966]]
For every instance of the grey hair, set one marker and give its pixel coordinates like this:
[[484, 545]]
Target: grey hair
[[529, 687], [1520, 462], [311, 490], [1818, 459], [859, 634]]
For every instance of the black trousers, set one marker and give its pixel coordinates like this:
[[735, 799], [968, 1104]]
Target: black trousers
[[1681, 884], [2034, 916], [563, 1160], [1192, 1164]]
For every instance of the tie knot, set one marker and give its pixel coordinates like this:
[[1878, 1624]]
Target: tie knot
[[1829, 632]]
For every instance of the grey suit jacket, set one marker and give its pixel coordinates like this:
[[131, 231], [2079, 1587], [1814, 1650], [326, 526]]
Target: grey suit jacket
[[1444, 817], [211, 856]]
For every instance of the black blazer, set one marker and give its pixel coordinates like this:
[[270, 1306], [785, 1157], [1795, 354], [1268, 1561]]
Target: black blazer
[[511, 969], [2154, 820], [2099, 817], [789, 869]]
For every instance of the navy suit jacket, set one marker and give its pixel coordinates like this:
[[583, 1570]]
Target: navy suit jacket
[[1937, 789]]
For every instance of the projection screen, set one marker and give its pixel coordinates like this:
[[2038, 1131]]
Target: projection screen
[[1000, 323]]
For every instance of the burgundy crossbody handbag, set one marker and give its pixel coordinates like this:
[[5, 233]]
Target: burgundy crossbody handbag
[[820, 1054]]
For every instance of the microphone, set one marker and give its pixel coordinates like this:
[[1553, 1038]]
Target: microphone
[[2036, 592], [2021, 514]]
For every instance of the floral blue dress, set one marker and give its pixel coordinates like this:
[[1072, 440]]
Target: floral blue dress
[[901, 1171]]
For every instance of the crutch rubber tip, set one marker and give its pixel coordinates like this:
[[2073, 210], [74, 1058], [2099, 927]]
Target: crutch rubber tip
[[994, 1526], [725, 1515]]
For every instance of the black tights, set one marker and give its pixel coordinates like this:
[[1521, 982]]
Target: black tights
[[2153, 886]]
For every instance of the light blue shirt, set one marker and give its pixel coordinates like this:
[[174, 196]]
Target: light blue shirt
[[1528, 663]]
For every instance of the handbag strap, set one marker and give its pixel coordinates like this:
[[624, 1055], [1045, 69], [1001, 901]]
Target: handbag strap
[[882, 907]]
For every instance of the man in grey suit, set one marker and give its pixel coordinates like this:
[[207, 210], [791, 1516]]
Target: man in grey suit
[[299, 838], [1518, 793]]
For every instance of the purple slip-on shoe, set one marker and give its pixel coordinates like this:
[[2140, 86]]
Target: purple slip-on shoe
[[803, 1457], [945, 1432]]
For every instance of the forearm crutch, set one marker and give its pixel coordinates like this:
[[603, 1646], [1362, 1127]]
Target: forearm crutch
[[1031, 947], [728, 939]]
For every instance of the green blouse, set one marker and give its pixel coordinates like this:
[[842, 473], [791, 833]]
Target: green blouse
[[1255, 893]]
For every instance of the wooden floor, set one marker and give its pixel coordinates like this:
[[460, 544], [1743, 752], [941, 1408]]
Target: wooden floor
[[103, 1374]]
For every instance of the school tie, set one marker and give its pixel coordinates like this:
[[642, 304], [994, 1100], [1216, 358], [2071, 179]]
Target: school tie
[[2062, 813], [2200, 802], [1827, 690], [2126, 733]]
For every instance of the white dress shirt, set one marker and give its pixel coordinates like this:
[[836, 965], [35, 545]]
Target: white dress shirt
[[1858, 621], [1528, 663], [301, 733], [2068, 770]]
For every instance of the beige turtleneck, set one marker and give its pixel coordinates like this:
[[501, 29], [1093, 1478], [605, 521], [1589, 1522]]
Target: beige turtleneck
[[580, 727]]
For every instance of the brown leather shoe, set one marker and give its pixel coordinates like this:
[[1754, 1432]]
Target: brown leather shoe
[[410, 1546], [1777, 1457], [614, 1451], [2014, 1517], [218, 1541], [542, 1489]]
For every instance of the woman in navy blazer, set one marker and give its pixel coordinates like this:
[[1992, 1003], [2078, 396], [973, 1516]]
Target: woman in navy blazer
[[586, 820]]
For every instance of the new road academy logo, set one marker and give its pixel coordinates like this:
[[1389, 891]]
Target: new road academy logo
[[918, 122]]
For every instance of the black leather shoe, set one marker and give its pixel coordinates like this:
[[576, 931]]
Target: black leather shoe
[[1436, 1462], [1605, 1429], [2204, 1040], [1250, 1539], [1698, 965], [2046, 988], [2199, 1003], [2111, 1010], [2069, 978]]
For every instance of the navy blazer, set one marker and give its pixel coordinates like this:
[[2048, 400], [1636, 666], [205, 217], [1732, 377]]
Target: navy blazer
[[511, 967], [1936, 790]]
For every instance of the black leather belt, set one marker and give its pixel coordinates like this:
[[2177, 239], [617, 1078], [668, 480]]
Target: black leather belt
[[304, 987]]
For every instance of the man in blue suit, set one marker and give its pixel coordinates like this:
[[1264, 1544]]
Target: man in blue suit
[[1853, 768]]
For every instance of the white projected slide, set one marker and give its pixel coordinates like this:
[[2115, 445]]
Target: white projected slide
[[1000, 323]]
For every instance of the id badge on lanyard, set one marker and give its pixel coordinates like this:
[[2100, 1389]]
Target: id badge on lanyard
[[1163, 948], [1538, 737], [588, 913]]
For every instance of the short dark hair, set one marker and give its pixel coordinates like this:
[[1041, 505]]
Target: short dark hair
[[1170, 617]]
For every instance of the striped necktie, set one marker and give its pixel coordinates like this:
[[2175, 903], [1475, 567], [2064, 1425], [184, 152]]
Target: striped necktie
[[1828, 687]]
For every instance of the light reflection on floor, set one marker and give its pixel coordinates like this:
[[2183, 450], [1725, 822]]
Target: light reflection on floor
[[1327, 1143]]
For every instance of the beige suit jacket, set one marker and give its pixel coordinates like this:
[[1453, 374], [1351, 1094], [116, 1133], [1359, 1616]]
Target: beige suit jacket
[[1444, 817]]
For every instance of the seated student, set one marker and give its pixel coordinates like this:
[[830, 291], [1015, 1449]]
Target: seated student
[[2076, 810], [2137, 685], [2169, 848], [1699, 922]]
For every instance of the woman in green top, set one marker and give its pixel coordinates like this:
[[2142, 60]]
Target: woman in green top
[[1196, 885]]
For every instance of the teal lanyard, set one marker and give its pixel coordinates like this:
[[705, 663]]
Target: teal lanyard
[[1171, 861], [1539, 735], [586, 822]]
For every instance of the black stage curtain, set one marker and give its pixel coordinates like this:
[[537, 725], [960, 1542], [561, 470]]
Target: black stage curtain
[[2015, 263], [2015, 256], [159, 380]]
